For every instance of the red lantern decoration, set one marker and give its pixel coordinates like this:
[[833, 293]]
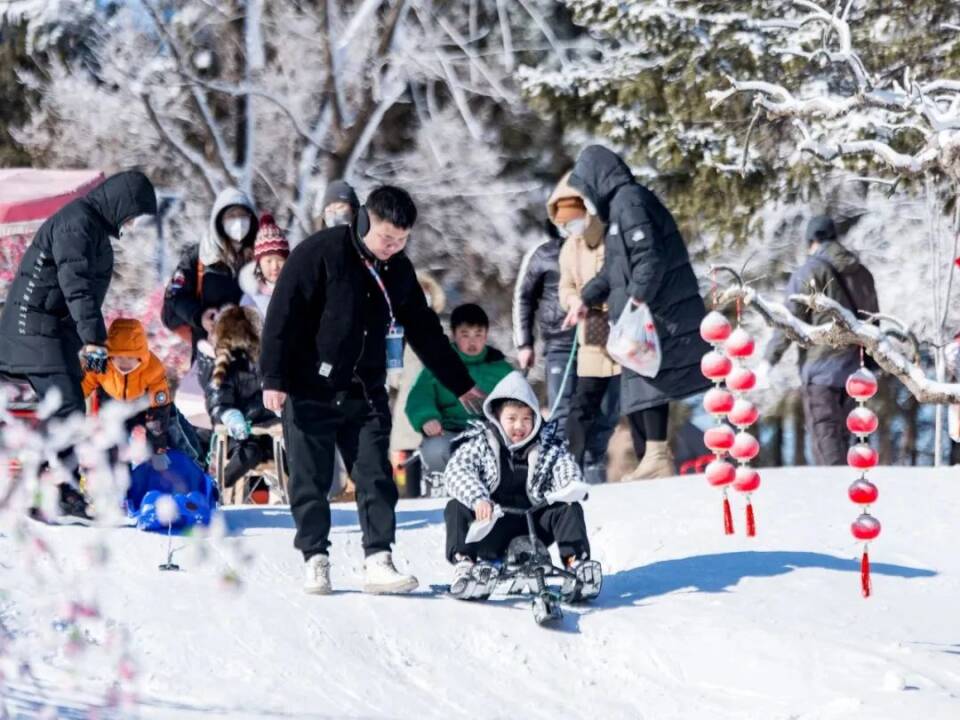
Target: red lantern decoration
[[743, 414], [715, 328], [720, 472], [863, 492], [862, 385], [718, 402], [740, 344], [741, 379], [862, 457], [745, 447], [719, 438], [715, 366], [747, 479], [862, 421]]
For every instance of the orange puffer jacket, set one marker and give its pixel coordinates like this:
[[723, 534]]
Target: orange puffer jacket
[[127, 338]]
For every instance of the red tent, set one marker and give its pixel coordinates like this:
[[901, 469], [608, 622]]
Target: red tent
[[27, 198]]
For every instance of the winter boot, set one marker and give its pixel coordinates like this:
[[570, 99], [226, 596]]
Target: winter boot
[[317, 575], [73, 507], [382, 578], [657, 462]]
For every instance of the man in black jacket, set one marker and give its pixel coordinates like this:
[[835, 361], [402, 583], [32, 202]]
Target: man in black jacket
[[536, 296], [838, 274], [323, 361], [52, 326]]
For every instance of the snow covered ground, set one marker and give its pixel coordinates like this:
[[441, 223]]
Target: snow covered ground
[[690, 624]]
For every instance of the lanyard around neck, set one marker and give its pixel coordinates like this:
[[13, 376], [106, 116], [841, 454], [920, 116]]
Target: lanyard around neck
[[383, 289]]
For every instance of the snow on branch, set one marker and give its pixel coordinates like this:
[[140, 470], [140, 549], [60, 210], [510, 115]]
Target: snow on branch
[[846, 330]]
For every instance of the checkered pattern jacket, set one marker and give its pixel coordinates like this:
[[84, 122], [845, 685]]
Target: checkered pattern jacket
[[473, 472]]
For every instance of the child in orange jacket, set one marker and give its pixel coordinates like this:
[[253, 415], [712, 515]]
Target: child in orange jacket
[[134, 373]]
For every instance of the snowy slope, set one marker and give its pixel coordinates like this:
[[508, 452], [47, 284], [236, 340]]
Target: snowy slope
[[691, 624]]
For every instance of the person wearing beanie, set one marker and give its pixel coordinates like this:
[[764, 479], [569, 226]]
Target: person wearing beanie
[[836, 272], [339, 205], [270, 252]]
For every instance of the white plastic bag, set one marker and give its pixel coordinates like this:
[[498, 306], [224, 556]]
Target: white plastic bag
[[633, 340]]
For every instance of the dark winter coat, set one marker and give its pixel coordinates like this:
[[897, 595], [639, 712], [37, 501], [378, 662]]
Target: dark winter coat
[[207, 274], [53, 307], [536, 296], [240, 389], [836, 272], [645, 259], [327, 322]]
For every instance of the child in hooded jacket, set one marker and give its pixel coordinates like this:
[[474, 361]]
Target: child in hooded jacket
[[270, 252], [511, 460], [134, 373], [230, 378]]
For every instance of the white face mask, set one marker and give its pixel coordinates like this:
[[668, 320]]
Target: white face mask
[[334, 218], [237, 228], [574, 228]]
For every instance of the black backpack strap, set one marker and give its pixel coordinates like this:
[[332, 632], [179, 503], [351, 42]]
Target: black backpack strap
[[852, 303]]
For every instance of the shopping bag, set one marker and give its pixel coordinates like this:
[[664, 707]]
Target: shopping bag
[[633, 341]]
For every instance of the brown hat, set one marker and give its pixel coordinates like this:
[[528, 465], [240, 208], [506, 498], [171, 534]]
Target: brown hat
[[569, 208]]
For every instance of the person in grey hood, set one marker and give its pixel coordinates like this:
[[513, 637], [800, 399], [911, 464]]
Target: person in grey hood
[[52, 328], [837, 272], [207, 276], [511, 460], [645, 261]]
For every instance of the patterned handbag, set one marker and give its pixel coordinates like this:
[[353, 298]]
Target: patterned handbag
[[596, 327]]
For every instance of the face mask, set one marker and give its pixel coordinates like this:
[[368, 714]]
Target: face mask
[[237, 228], [332, 219], [130, 226], [591, 208], [574, 228]]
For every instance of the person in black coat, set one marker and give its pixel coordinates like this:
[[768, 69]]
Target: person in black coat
[[323, 359], [52, 328], [206, 278], [228, 373], [645, 261], [536, 301]]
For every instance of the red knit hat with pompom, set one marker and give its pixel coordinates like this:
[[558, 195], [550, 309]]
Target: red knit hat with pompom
[[270, 239]]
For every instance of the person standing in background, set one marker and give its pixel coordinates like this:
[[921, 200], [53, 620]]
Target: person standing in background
[[536, 301]]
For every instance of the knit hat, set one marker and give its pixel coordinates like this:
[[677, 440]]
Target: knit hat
[[821, 229], [569, 208], [340, 191], [270, 239]]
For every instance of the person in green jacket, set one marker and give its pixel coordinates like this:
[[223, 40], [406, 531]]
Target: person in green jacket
[[434, 410]]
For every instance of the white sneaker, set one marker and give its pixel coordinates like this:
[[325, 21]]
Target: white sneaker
[[462, 574], [317, 575], [381, 577]]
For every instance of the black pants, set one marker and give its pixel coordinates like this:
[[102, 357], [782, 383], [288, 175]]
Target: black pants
[[562, 524], [360, 429], [826, 410], [71, 401], [593, 416], [649, 424], [245, 455]]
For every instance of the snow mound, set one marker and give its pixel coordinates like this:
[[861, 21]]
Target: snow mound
[[690, 623]]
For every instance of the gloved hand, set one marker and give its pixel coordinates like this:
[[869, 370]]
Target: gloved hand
[[93, 358], [160, 462], [236, 424]]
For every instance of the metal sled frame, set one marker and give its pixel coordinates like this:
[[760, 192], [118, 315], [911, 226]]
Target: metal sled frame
[[274, 473]]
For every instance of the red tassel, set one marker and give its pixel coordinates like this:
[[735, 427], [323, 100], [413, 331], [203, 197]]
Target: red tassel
[[865, 572], [727, 517], [751, 521]]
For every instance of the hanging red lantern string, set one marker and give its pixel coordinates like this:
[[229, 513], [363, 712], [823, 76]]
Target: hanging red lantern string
[[719, 402], [863, 422], [740, 346]]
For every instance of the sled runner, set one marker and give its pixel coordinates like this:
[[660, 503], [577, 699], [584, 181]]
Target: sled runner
[[527, 567]]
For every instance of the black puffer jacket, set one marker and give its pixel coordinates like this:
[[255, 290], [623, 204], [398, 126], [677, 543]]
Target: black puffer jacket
[[327, 321], [536, 295], [645, 259], [240, 389], [54, 305]]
